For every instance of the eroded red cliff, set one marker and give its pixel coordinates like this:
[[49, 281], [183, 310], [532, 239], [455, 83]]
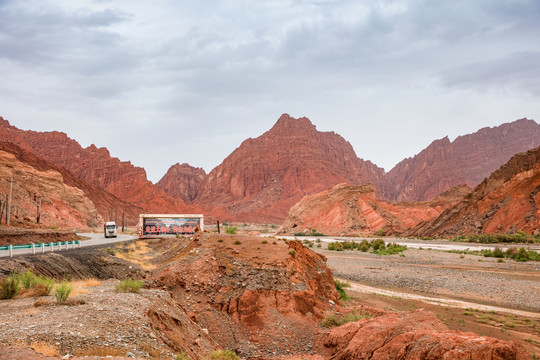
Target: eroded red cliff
[[94, 166], [354, 209], [506, 202], [466, 160], [265, 176], [182, 181]]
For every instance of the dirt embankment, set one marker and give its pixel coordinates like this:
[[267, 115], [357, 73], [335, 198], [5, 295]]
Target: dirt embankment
[[36, 236], [74, 264]]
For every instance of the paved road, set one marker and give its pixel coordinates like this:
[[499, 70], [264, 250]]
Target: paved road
[[95, 239]]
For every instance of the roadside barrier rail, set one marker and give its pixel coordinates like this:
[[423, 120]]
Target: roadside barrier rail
[[60, 245]]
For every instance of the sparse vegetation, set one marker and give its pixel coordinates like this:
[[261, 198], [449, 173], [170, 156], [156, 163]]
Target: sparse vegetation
[[264, 242], [378, 245], [313, 232], [340, 285], [520, 238], [237, 242], [182, 356], [520, 254], [222, 355], [9, 287], [62, 291], [231, 229], [129, 285], [292, 252], [334, 320]]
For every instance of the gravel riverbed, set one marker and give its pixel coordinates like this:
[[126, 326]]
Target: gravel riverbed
[[466, 277]]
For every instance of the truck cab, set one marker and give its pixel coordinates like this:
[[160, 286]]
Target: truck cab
[[109, 229]]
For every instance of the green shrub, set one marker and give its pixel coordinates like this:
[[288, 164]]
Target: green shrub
[[292, 252], [231, 229], [380, 232], [264, 242], [27, 279], [378, 244], [47, 283], [364, 247], [334, 320], [222, 355], [336, 246], [62, 291], [129, 285], [391, 249], [9, 287], [340, 285], [182, 356], [237, 242]]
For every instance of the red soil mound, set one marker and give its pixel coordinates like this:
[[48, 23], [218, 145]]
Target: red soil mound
[[258, 299], [348, 209], [413, 335]]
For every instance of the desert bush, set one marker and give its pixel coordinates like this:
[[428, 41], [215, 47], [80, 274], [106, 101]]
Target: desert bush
[[231, 229], [340, 285], [364, 247], [62, 291], [129, 285], [182, 356], [520, 237], [391, 249], [264, 242], [336, 246], [27, 279], [334, 320], [222, 355], [9, 287], [292, 252], [378, 244], [237, 242], [380, 232]]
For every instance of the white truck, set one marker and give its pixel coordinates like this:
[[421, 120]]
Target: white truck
[[109, 229]]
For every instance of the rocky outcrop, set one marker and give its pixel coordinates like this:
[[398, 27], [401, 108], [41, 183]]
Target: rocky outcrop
[[259, 299], [66, 201], [354, 209], [466, 160], [182, 181], [414, 335], [94, 166], [506, 202], [265, 176]]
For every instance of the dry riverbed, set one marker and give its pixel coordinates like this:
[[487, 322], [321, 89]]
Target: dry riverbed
[[497, 299]]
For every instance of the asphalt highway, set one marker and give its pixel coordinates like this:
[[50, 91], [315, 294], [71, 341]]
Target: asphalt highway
[[95, 239]]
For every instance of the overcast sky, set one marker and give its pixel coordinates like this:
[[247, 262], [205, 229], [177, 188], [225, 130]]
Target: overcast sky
[[159, 82]]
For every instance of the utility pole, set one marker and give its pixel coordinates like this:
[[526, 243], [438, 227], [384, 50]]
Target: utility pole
[[122, 220], [9, 203]]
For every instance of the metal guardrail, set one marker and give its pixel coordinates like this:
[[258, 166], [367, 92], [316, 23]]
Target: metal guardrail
[[51, 245]]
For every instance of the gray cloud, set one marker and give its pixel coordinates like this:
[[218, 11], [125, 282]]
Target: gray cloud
[[231, 68]]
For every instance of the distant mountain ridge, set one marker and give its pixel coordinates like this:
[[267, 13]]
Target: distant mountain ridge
[[506, 202], [265, 176], [466, 160], [94, 166], [66, 200]]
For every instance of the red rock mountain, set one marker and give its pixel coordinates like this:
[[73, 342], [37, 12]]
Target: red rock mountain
[[94, 166], [506, 202], [353, 209], [182, 181], [265, 176], [466, 160], [66, 201]]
